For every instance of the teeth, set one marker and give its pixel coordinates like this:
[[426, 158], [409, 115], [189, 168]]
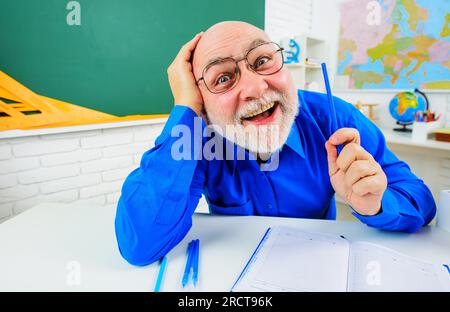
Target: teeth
[[260, 110]]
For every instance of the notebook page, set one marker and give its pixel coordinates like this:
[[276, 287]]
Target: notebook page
[[377, 268], [294, 260]]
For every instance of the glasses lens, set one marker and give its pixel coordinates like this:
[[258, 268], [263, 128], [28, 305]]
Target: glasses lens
[[266, 59], [220, 76]]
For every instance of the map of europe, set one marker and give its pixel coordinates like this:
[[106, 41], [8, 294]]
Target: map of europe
[[406, 46]]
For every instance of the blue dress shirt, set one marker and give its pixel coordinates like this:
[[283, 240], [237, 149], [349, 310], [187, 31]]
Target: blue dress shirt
[[158, 199]]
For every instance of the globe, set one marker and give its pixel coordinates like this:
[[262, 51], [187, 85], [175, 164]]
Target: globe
[[403, 106]]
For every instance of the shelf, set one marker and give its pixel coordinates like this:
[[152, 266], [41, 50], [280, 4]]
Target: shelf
[[313, 49], [308, 66], [347, 90], [405, 138]]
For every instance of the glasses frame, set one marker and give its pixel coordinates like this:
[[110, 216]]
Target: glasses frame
[[237, 71]]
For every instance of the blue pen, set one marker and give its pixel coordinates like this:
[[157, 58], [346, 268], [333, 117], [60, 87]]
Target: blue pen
[[163, 263], [187, 269], [195, 262], [334, 124]]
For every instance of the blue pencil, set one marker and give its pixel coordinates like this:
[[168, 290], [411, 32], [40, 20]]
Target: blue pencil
[[163, 263], [187, 269], [334, 124], [330, 97], [195, 262]]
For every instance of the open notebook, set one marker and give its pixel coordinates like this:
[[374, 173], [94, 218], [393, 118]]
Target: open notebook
[[289, 259]]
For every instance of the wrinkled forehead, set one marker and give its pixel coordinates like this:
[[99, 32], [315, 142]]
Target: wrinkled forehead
[[240, 52], [229, 45]]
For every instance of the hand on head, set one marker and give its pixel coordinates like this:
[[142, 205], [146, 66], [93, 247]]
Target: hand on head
[[181, 78]]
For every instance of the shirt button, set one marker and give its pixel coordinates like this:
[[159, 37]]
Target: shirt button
[[269, 206]]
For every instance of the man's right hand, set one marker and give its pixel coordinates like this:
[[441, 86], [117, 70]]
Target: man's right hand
[[181, 78]]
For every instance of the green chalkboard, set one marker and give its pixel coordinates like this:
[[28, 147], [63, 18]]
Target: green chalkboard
[[116, 60]]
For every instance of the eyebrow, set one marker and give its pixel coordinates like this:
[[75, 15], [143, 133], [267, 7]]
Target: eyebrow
[[252, 45]]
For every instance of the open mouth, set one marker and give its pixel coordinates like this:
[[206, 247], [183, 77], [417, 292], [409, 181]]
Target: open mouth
[[263, 115]]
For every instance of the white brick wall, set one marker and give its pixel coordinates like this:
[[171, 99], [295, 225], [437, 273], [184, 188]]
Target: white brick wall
[[71, 157], [70, 183], [86, 166], [5, 151], [42, 147], [48, 174], [18, 164]]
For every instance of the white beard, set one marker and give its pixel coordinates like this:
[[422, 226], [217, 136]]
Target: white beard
[[262, 139]]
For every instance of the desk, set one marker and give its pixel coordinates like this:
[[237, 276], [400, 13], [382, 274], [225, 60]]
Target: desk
[[429, 160], [38, 245], [429, 146]]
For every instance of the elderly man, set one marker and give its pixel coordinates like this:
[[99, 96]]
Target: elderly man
[[236, 78]]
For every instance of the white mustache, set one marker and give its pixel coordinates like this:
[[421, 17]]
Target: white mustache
[[268, 97]]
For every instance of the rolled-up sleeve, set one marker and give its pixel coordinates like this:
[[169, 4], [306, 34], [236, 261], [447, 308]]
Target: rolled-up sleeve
[[157, 201]]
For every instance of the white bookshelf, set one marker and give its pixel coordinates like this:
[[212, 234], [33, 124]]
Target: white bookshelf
[[303, 72]]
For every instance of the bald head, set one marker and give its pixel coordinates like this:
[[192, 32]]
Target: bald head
[[253, 100], [225, 39]]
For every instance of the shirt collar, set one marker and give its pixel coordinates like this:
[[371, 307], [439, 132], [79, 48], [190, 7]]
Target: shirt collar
[[294, 141]]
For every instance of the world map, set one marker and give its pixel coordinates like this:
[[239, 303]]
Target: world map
[[389, 44]]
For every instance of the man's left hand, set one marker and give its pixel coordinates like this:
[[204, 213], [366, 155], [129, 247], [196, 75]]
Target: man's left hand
[[354, 173]]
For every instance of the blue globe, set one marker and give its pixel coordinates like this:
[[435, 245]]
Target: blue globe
[[403, 106]]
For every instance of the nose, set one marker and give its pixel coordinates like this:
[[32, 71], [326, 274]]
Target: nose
[[251, 85]]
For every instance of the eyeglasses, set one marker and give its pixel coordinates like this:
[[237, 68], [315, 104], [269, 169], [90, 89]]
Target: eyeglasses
[[222, 75]]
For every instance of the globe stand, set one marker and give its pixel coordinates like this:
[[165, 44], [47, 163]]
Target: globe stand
[[403, 128]]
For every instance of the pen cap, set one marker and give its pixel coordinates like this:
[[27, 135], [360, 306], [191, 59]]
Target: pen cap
[[443, 211]]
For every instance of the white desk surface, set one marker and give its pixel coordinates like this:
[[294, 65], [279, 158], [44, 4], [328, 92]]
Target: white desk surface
[[37, 245], [405, 138]]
